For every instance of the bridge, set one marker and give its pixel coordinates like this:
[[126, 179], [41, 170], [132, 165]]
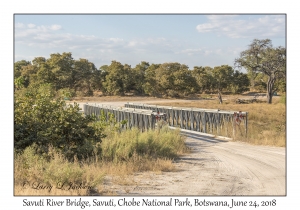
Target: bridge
[[145, 116]]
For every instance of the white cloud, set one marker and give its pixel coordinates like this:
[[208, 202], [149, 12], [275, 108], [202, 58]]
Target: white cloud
[[132, 44], [19, 25], [55, 27], [53, 39], [96, 48], [31, 30], [191, 51], [30, 25], [116, 40], [235, 26]]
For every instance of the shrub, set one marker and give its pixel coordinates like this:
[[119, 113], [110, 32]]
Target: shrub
[[43, 120], [66, 93]]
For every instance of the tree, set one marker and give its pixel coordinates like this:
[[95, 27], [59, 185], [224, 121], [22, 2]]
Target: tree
[[239, 82], [262, 57], [44, 74], [200, 76], [175, 79], [18, 67], [117, 78], [29, 73], [222, 76], [19, 82], [85, 76], [139, 72], [62, 66], [150, 83]]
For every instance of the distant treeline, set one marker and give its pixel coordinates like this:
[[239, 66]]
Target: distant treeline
[[82, 78]]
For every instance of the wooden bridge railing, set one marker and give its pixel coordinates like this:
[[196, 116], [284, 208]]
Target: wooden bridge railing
[[212, 121], [143, 119]]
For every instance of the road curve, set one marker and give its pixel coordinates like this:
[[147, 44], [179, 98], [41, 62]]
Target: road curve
[[217, 167]]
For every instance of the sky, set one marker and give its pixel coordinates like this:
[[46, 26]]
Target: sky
[[191, 39]]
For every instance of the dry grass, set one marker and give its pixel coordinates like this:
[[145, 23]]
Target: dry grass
[[53, 174], [33, 181], [266, 122], [112, 98]]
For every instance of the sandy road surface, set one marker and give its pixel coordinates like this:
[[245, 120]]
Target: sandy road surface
[[215, 167]]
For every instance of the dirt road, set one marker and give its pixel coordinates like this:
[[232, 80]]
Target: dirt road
[[215, 167]]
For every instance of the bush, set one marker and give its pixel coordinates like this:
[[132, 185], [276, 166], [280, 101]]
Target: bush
[[43, 120], [66, 93]]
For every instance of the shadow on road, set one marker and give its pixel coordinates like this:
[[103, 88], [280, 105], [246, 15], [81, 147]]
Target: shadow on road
[[203, 138]]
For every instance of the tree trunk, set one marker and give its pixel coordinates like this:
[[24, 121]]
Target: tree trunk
[[270, 86], [220, 97]]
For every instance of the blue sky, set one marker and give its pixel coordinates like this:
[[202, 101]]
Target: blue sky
[[191, 39]]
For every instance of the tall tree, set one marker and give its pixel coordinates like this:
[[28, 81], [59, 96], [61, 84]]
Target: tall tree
[[18, 67], [139, 72], [262, 57], [116, 79], [200, 76], [62, 67], [175, 79], [222, 77], [84, 76], [150, 83]]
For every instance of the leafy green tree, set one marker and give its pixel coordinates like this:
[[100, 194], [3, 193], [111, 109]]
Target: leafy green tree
[[18, 67], [85, 76], [175, 79], [119, 79], [184, 82], [139, 76], [41, 119], [29, 74], [128, 76], [103, 72], [200, 76], [204, 78], [150, 85], [222, 77], [38, 61], [239, 82], [262, 57], [113, 84], [19, 82], [258, 81], [44, 74], [61, 66]]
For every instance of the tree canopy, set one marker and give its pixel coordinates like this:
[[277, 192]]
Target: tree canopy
[[82, 78], [262, 57]]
